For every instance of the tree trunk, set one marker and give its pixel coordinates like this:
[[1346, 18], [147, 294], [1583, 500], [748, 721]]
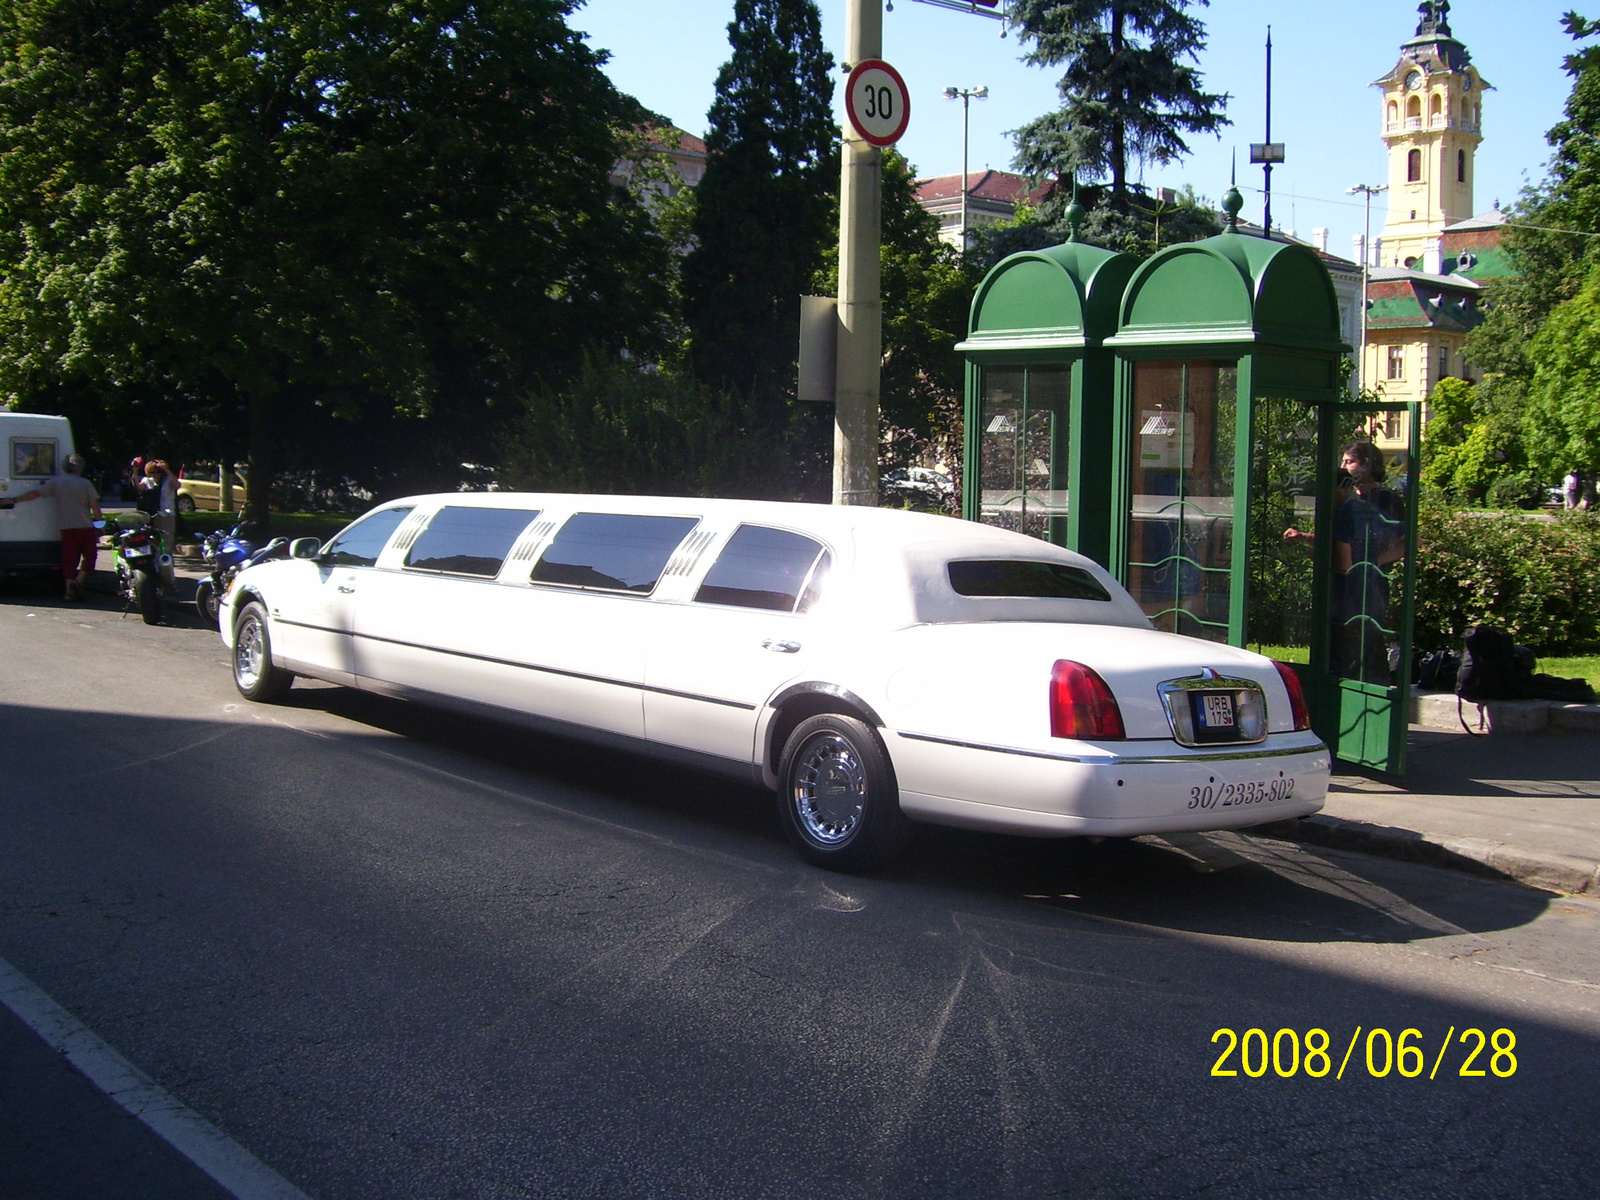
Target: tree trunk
[[260, 458]]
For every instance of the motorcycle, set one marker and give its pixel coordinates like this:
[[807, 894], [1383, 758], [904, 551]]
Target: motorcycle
[[144, 567], [225, 553], [238, 552]]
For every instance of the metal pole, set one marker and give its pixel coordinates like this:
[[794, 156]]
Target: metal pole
[[966, 96], [966, 106], [1266, 215], [860, 347], [1367, 192]]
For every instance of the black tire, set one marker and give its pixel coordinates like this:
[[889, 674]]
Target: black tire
[[253, 671], [186, 504], [837, 795], [205, 602], [147, 595]]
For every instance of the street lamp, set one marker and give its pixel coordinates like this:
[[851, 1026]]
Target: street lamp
[[1367, 192], [966, 96]]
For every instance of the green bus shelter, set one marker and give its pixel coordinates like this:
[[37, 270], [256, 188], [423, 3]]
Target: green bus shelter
[[1040, 384], [1214, 422]]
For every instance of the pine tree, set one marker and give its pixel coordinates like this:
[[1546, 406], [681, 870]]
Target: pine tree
[[763, 207], [1127, 95]]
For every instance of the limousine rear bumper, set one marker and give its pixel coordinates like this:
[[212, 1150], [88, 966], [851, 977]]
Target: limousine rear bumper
[[1153, 788]]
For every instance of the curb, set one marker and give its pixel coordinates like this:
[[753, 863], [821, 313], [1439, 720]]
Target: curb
[[1441, 710], [1479, 856]]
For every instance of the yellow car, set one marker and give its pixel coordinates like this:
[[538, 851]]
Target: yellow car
[[201, 488]]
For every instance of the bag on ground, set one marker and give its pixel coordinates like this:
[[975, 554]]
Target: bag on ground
[[1488, 666]]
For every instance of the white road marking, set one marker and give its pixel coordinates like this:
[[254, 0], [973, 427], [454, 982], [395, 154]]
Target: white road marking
[[241, 1173]]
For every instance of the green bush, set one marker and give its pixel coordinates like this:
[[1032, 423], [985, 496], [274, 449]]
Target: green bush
[[1517, 490], [1538, 580]]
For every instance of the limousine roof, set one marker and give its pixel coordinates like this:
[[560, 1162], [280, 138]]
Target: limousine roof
[[896, 562]]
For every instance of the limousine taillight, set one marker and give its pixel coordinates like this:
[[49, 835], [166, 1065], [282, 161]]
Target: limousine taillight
[[1297, 695], [1081, 705]]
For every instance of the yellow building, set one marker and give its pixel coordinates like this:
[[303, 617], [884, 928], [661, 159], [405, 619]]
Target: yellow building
[[1426, 270], [1432, 124]]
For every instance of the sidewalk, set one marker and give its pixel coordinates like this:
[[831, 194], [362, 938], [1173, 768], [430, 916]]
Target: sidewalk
[[1524, 808]]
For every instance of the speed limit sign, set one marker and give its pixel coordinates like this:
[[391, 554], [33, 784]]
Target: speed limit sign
[[876, 101]]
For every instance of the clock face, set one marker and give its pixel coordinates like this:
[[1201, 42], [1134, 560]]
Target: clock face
[[1414, 80], [1466, 84]]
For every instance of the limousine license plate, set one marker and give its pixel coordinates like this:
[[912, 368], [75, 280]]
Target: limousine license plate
[[1237, 794], [1216, 717]]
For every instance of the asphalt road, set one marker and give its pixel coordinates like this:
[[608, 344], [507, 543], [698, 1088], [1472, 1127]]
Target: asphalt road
[[394, 954]]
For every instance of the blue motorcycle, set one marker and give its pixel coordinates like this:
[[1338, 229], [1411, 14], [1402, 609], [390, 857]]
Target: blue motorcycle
[[225, 555]]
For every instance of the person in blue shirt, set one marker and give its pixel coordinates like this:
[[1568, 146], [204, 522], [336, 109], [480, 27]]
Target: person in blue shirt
[[1368, 538]]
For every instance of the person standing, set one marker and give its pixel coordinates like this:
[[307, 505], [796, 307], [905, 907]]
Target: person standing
[[158, 497], [77, 509], [1571, 490], [1368, 538]]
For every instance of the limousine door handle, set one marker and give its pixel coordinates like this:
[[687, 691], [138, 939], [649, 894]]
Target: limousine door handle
[[346, 588], [778, 645]]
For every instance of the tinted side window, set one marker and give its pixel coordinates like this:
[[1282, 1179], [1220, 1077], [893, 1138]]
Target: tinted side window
[[762, 568], [613, 551], [360, 545], [1026, 580], [469, 541]]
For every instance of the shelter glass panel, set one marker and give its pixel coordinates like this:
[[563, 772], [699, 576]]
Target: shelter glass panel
[[1180, 538], [1023, 449], [1369, 544], [1283, 522]]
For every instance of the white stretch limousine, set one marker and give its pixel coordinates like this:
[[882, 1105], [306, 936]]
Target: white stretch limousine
[[871, 665]]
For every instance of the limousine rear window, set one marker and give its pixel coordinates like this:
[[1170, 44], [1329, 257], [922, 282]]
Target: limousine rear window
[[360, 545], [468, 541], [1015, 578], [764, 568], [614, 552]]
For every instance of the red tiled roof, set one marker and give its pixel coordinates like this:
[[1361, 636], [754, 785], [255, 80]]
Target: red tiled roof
[[1001, 186]]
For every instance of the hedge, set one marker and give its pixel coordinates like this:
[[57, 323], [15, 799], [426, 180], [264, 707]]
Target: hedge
[[1537, 579]]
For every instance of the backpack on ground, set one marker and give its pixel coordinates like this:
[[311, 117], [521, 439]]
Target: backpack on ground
[[1436, 671], [1488, 666], [1488, 671]]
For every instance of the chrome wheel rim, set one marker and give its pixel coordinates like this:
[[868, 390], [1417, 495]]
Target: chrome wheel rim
[[829, 789], [247, 654]]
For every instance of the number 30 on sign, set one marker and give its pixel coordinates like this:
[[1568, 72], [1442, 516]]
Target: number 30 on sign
[[876, 102]]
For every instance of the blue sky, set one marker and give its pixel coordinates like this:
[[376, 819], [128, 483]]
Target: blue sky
[[667, 52]]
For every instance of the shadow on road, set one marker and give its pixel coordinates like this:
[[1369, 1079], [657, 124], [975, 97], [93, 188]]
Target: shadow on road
[[1231, 884]]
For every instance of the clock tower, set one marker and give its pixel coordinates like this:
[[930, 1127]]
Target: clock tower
[[1432, 124]]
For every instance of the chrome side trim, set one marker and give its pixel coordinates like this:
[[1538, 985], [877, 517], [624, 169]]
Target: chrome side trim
[[520, 666], [1117, 760]]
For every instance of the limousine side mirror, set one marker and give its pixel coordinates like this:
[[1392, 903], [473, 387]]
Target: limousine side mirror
[[307, 547]]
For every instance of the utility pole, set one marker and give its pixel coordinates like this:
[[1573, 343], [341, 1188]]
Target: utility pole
[[966, 96], [1366, 192], [860, 329], [1268, 152]]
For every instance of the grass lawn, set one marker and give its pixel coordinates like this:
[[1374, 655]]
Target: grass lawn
[[1567, 666], [1581, 666], [196, 525]]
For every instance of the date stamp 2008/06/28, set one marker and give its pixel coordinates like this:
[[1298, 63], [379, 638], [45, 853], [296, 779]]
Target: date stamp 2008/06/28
[[1287, 1054]]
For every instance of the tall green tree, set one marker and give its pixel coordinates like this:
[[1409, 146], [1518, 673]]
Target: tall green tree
[[1129, 93], [762, 212], [1530, 374], [294, 219], [1562, 426], [925, 294]]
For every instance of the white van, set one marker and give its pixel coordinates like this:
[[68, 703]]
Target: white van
[[35, 446]]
